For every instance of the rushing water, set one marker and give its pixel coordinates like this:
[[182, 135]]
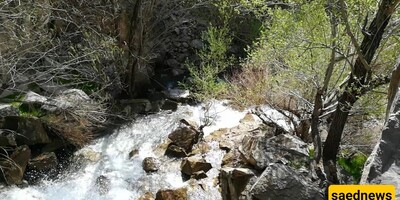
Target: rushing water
[[109, 158]]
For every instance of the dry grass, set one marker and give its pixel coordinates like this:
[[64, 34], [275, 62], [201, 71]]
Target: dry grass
[[249, 87], [77, 132]]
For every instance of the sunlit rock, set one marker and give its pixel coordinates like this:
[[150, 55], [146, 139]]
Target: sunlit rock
[[178, 194], [233, 182], [192, 165]]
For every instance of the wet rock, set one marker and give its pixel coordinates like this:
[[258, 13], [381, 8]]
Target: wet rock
[[169, 105], [133, 153], [87, 155], [233, 182], [147, 196], [14, 169], [184, 137], [191, 165], [7, 138], [201, 148], [137, 106], [177, 94], [43, 162], [279, 181], [103, 184], [175, 151], [8, 110], [150, 164], [178, 194], [55, 144], [30, 131], [383, 165]]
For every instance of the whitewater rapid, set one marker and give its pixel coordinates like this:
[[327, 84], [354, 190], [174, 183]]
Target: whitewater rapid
[[109, 157]]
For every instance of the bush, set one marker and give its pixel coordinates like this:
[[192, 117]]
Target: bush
[[213, 60]]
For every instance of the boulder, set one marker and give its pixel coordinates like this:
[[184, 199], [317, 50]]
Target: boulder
[[147, 196], [30, 130], [43, 162], [279, 181], [150, 164], [259, 151], [102, 184], [87, 155], [8, 110], [233, 182], [226, 145], [32, 98], [7, 138], [178, 194], [185, 138], [191, 165], [67, 99], [383, 165], [14, 168]]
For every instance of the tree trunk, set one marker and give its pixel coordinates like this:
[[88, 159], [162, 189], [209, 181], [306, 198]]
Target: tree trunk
[[131, 38], [359, 78]]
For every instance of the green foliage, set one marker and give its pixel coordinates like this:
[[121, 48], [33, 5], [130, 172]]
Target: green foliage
[[213, 60], [353, 165]]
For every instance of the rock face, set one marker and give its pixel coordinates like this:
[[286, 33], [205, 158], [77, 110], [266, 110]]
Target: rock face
[[194, 165], [279, 181], [383, 166], [30, 131], [150, 164], [178, 194], [14, 170], [233, 182]]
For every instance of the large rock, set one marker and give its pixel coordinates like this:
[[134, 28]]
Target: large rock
[[184, 138], [30, 130], [44, 162], [13, 169], [279, 181], [67, 99], [191, 165], [150, 164], [259, 151], [7, 138], [233, 182], [8, 110], [383, 165], [178, 194]]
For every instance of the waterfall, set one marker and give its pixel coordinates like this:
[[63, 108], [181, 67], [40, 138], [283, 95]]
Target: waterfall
[[109, 157]]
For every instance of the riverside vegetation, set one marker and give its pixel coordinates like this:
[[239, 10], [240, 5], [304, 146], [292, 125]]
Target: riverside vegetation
[[70, 71]]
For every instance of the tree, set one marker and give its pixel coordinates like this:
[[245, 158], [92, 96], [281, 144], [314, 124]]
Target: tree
[[360, 80]]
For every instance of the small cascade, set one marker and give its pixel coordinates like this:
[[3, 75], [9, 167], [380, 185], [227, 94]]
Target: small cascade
[[103, 169]]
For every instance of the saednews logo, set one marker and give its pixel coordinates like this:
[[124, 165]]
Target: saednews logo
[[362, 192]]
